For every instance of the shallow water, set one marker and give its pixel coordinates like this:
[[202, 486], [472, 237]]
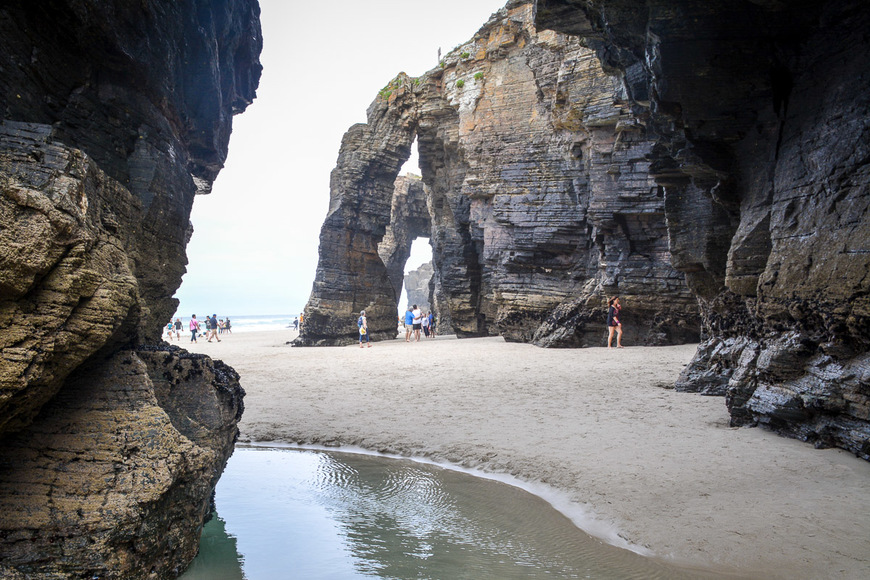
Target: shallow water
[[286, 513]]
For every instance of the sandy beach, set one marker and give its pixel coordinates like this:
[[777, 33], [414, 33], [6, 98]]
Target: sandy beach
[[657, 469]]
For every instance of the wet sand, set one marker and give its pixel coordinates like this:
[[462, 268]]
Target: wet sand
[[657, 469]]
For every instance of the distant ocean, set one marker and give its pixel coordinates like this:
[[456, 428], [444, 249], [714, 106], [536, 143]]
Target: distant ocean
[[261, 322], [248, 323]]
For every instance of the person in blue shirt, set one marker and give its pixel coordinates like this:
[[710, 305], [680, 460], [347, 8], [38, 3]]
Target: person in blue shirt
[[363, 329], [409, 323]]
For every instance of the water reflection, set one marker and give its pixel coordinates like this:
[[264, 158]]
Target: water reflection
[[309, 514], [218, 558]]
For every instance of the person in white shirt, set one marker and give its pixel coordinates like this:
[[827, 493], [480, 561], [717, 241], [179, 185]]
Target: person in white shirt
[[425, 323], [418, 323]]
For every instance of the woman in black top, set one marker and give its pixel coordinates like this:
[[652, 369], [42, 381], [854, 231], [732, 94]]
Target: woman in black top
[[613, 322]]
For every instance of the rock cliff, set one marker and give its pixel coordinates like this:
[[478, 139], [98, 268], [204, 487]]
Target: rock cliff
[[113, 115], [409, 220], [760, 112], [417, 285], [538, 194]]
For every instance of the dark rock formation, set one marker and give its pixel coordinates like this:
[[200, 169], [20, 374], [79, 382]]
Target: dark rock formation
[[117, 471], [113, 115], [538, 194], [417, 285], [761, 112], [350, 274], [409, 220]]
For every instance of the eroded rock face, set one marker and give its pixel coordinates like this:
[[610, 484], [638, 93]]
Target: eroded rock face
[[113, 474], [417, 285], [409, 220], [761, 114], [351, 276], [538, 194], [113, 116]]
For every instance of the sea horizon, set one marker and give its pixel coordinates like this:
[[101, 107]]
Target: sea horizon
[[246, 322]]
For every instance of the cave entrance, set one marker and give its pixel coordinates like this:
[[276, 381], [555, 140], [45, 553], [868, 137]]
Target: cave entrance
[[416, 286]]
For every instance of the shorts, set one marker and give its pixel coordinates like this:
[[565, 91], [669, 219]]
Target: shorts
[[417, 326]]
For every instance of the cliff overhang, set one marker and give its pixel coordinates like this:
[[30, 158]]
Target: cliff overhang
[[113, 116], [760, 113]]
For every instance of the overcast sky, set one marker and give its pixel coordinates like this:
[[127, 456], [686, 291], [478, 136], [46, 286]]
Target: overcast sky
[[255, 240]]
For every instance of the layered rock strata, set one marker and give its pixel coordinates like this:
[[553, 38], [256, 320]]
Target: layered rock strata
[[760, 111], [118, 470], [538, 193], [418, 286], [409, 220], [114, 115], [351, 276]]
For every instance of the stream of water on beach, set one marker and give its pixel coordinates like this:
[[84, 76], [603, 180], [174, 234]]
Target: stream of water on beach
[[288, 514]]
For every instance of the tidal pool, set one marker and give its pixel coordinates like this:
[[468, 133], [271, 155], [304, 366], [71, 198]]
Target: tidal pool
[[288, 513]]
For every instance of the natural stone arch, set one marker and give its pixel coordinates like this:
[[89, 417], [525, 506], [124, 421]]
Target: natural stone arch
[[539, 195], [409, 220], [351, 276], [455, 249]]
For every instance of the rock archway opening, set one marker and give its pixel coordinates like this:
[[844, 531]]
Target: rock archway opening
[[417, 283], [412, 165]]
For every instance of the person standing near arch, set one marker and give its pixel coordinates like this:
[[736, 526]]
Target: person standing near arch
[[362, 323], [613, 323], [417, 322], [425, 323], [409, 323]]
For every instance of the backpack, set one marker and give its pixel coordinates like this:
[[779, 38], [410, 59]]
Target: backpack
[[359, 322]]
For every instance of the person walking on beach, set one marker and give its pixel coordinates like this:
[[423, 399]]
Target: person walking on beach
[[613, 323], [363, 329], [424, 322], [431, 324], [296, 324], [229, 327], [409, 323], [177, 329], [213, 328], [194, 328], [418, 323]]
